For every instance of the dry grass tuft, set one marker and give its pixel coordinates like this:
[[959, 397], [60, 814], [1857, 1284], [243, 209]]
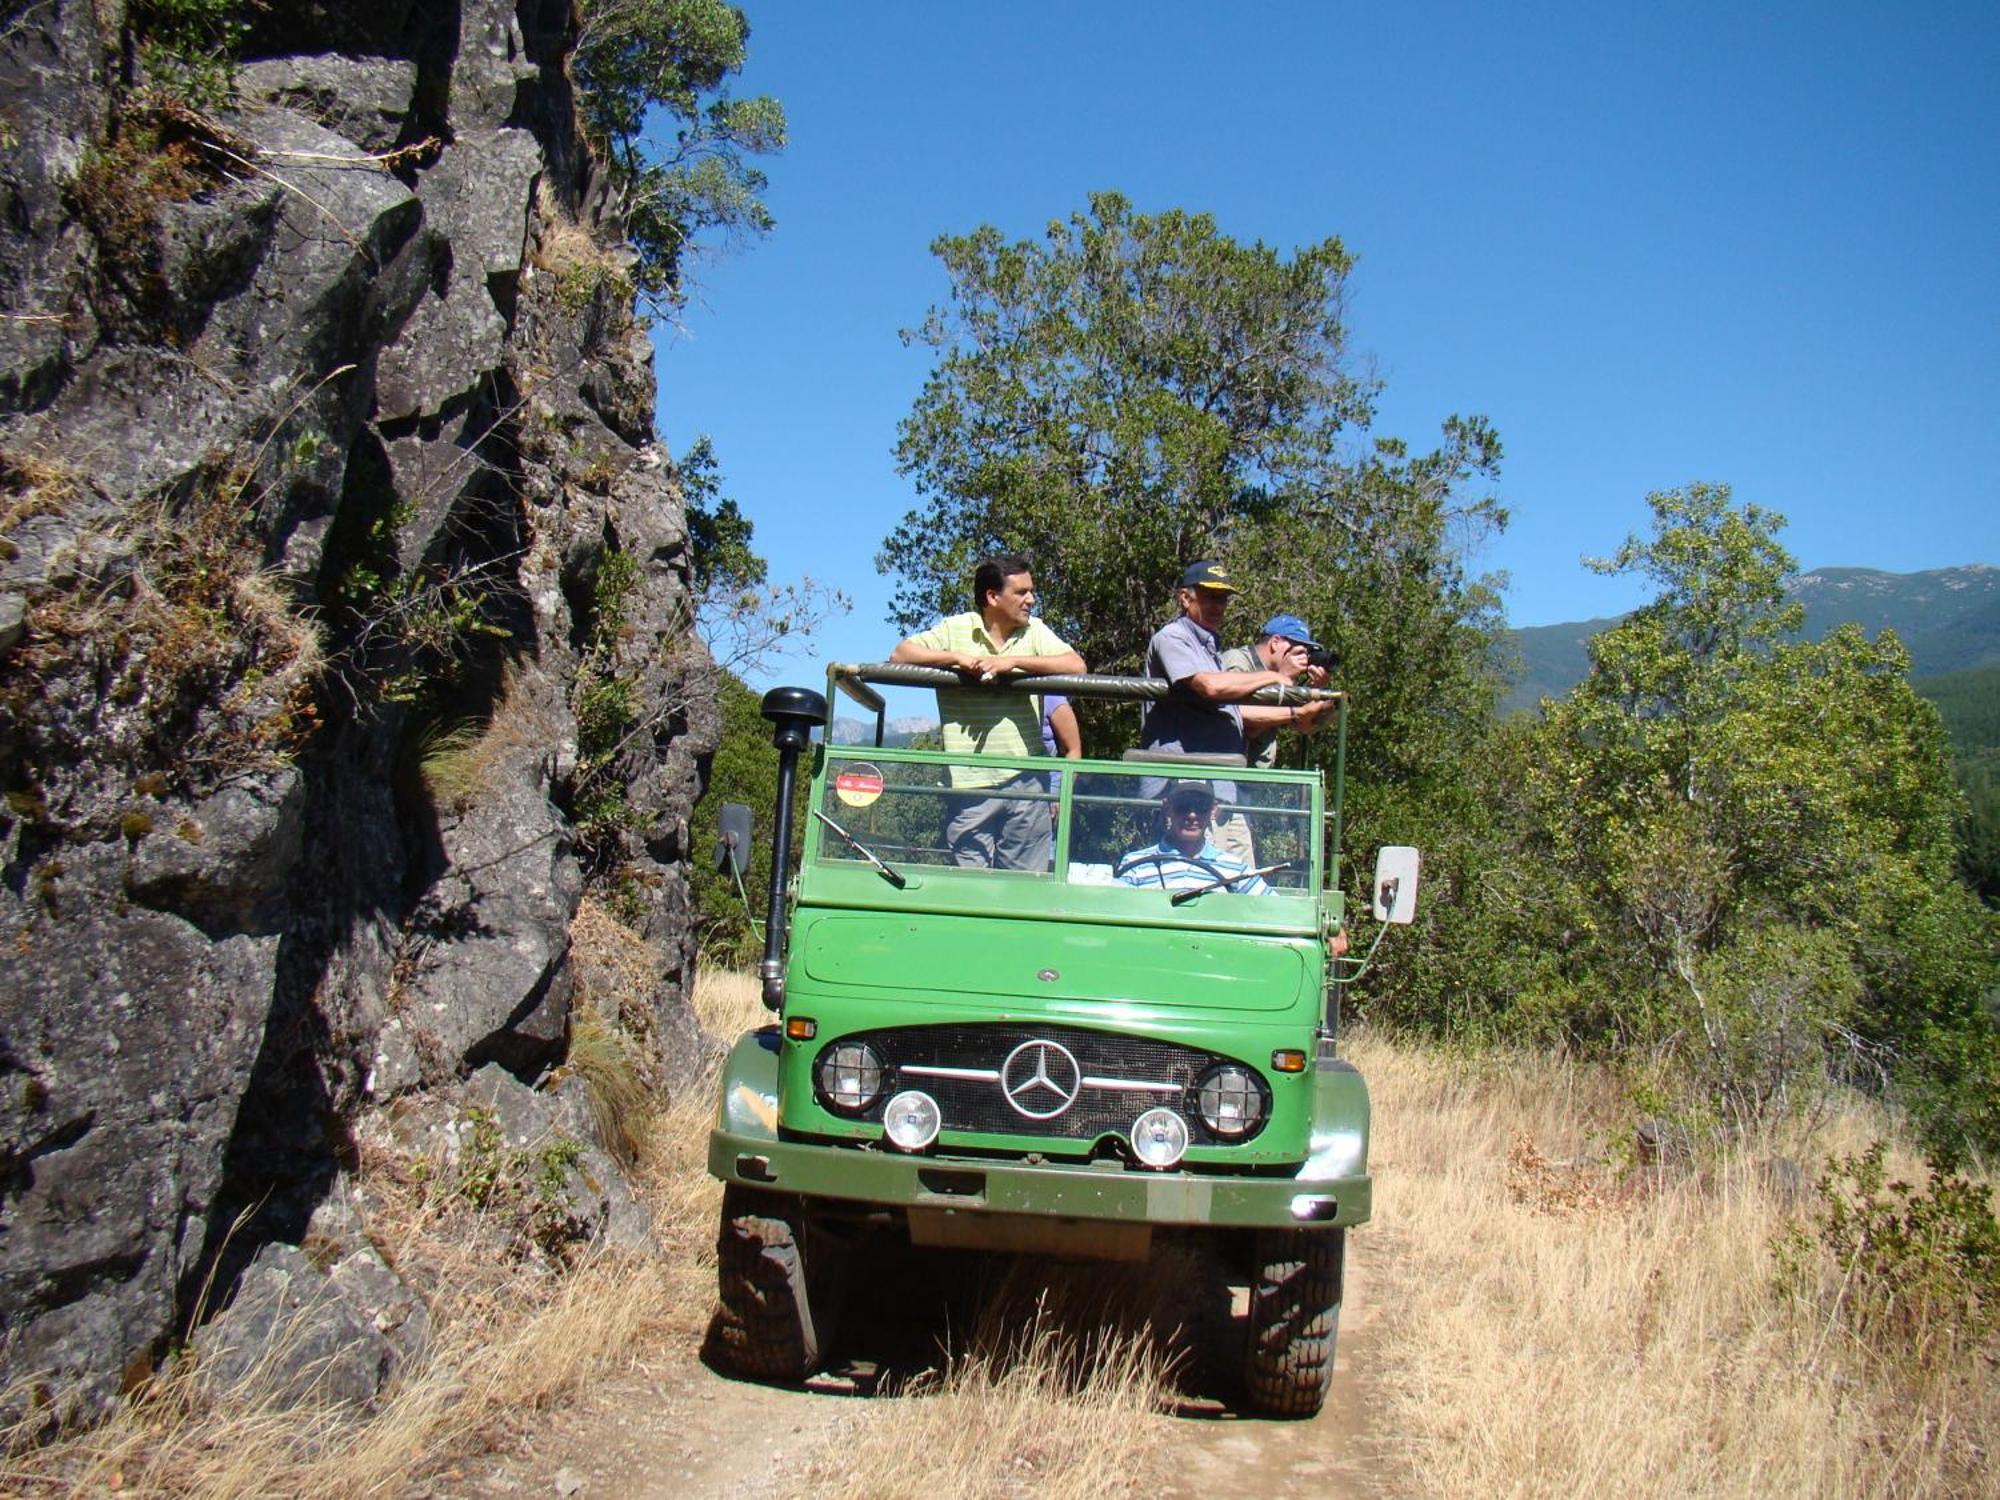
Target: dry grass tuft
[[619, 961], [613, 1034], [1060, 1391], [31, 484], [458, 761], [452, 763], [614, 1076], [672, 1173], [1561, 1188], [1551, 1328], [580, 265], [727, 1004]]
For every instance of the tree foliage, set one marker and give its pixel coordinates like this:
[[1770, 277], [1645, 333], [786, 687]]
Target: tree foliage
[[744, 769], [651, 79], [1969, 703], [1112, 402], [719, 534], [1136, 391], [1745, 841], [1979, 828]]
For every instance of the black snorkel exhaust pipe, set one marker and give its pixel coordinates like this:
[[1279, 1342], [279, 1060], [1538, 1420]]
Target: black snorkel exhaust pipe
[[794, 713]]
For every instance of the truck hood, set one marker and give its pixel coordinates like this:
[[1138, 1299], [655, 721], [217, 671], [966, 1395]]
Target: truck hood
[[916, 956]]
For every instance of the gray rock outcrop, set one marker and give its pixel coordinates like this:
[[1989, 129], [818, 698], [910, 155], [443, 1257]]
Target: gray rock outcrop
[[322, 420], [303, 1336]]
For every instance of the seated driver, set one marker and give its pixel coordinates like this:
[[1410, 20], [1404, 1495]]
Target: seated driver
[[1185, 858]]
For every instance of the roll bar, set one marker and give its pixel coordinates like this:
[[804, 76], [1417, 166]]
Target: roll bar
[[853, 679]]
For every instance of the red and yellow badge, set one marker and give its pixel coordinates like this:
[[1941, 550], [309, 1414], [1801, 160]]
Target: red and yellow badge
[[857, 785]]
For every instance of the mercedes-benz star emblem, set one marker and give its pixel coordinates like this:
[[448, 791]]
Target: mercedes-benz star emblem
[[1040, 1079]]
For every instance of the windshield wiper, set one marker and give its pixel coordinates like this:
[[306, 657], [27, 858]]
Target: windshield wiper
[[893, 876], [1181, 898]]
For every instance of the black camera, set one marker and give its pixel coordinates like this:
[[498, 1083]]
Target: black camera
[[1326, 659]]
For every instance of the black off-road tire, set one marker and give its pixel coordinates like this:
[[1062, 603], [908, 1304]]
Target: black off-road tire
[[1294, 1319], [775, 1316]]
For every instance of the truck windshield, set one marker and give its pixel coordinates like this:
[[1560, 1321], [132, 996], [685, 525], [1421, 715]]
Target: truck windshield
[[1190, 829], [1139, 828]]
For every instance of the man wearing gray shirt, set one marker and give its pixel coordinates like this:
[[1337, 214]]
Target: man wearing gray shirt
[[1202, 714]]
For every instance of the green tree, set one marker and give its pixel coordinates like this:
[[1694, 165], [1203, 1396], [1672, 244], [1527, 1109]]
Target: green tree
[[1136, 391], [1762, 830], [721, 558], [1112, 402], [1969, 703], [1979, 829], [651, 81]]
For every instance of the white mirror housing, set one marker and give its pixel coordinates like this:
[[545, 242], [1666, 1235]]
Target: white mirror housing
[[1396, 868]]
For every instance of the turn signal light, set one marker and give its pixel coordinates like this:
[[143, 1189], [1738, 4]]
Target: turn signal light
[[801, 1028], [1288, 1060]]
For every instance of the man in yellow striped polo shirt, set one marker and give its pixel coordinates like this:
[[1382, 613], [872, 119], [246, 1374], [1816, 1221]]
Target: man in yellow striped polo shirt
[[1001, 636]]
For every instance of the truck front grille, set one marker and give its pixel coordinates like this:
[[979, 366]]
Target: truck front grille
[[1067, 1083]]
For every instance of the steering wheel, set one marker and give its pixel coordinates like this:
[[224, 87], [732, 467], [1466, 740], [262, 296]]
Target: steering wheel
[[1147, 857]]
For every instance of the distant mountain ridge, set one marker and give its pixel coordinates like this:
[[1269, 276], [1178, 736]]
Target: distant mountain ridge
[[862, 731], [1948, 618]]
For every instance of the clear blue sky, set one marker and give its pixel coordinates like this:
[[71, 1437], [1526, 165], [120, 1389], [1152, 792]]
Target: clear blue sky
[[1655, 244]]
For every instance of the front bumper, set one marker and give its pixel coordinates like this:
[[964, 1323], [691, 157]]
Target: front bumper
[[1108, 1191]]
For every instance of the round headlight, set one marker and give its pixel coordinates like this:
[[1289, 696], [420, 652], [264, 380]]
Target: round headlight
[[850, 1075], [1232, 1101], [1159, 1138], [912, 1119]]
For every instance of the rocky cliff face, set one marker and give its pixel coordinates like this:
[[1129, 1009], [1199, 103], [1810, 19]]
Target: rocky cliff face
[[344, 629]]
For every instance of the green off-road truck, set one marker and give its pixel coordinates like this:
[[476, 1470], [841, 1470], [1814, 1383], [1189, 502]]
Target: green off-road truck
[[1068, 1060]]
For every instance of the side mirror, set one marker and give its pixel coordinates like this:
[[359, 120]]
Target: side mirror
[[735, 828], [1396, 884]]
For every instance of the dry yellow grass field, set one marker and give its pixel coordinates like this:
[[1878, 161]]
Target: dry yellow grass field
[[1552, 1326]]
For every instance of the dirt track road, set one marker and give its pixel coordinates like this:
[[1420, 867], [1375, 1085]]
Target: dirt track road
[[674, 1428], [1339, 1452]]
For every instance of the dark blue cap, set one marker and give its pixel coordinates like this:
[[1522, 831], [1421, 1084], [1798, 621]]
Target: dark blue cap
[[1207, 575]]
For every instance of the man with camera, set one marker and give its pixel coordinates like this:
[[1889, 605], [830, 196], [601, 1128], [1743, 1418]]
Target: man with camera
[[1286, 647]]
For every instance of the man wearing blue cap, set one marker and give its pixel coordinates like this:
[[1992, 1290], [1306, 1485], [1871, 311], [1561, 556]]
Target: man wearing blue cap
[[1285, 646]]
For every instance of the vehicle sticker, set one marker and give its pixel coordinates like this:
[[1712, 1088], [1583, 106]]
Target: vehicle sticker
[[858, 785]]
